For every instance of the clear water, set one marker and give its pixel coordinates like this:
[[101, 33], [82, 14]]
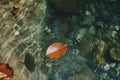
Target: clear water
[[86, 31]]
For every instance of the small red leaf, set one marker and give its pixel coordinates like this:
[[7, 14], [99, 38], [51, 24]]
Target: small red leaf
[[5, 68], [15, 11]]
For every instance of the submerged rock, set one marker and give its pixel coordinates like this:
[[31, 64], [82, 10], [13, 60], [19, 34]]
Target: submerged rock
[[29, 62], [113, 72], [102, 47], [68, 6], [86, 74], [115, 54]]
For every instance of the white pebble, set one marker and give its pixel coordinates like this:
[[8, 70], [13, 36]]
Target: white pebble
[[17, 33], [113, 64], [87, 13], [106, 67], [47, 29], [117, 28], [48, 65], [114, 33]]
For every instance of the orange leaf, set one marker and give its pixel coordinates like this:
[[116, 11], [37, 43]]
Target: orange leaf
[[5, 68], [56, 50]]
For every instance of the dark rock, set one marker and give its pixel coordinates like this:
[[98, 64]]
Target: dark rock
[[68, 6], [115, 54], [29, 62], [112, 72]]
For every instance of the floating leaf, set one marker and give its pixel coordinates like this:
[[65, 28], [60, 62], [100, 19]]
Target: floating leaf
[[56, 50], [5, 68]]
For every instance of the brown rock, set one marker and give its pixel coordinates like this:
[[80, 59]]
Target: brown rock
[[102, 47], [18, 4], [115, 54]]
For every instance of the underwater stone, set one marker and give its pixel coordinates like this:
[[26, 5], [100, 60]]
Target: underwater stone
[[112, 72], [106, 67], [17, 33], [102, 47], [85, 74], [87, 13], [112, 64], [89, 19], [114, 34], [29, 62], [117, 27], [115, 54], [92, 30], [101, 24], [48, 65]]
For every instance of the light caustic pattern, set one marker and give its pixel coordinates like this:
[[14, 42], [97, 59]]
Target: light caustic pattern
[[63, 51], [26, 34]]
